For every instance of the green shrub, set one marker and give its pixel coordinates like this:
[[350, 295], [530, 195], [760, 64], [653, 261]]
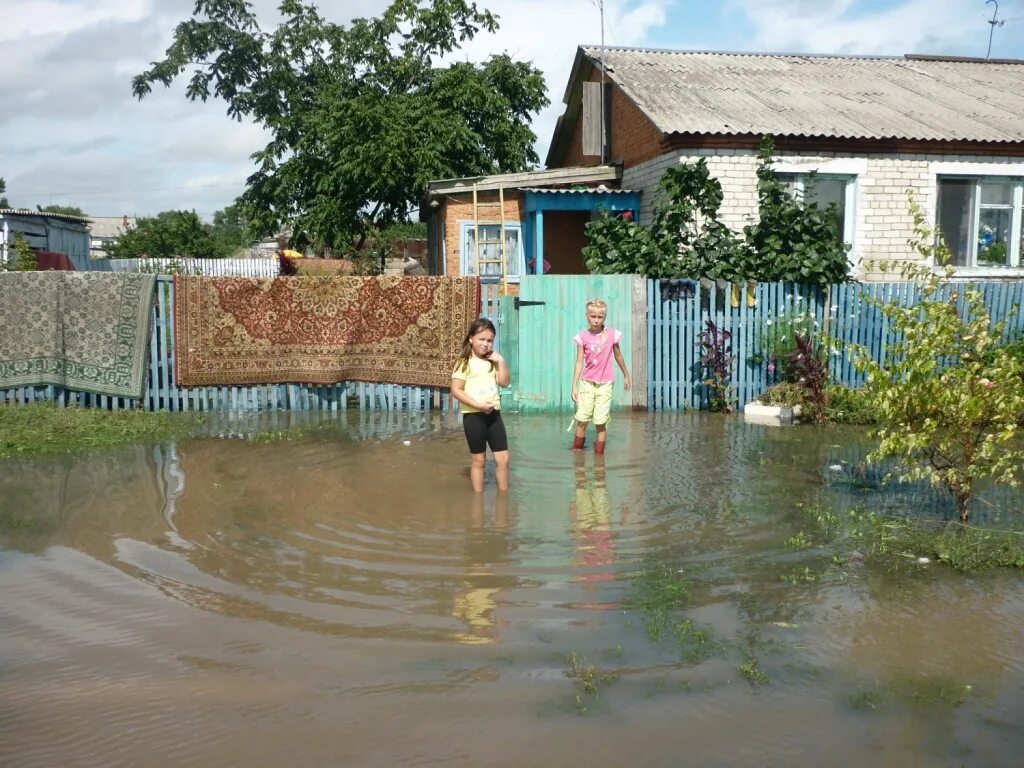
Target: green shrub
[[847, 405]]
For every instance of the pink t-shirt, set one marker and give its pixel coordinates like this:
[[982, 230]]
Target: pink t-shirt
[[598, 351]]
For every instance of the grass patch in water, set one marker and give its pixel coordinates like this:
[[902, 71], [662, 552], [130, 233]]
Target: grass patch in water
[[750, 670], [38, 428], [588, 677], [902, 542], [924, 693], [660, 594]]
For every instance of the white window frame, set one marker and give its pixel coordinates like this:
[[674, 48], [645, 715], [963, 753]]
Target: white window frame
[[849, 197], [993, 170], [1016, 221], [466, 257], [852, 169]]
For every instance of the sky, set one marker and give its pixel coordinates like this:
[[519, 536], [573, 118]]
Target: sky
[[71, 133]]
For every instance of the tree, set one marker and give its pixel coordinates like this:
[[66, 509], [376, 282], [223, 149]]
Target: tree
[[3, 199], [792, 241], [69, 210], [947, 395], [360, 117], [166, 235], [230, 230]]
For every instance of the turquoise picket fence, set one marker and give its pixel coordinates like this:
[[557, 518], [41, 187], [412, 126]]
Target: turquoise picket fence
[[677, 313], [163, 394]]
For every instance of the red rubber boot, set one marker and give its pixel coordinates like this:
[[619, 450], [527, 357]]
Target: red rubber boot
[[599, 447], [577, 443]]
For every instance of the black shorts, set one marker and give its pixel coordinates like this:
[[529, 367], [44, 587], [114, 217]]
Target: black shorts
[[485, 429]]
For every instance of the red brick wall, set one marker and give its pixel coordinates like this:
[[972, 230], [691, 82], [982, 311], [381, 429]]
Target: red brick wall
[[458, 208], [634, 138]]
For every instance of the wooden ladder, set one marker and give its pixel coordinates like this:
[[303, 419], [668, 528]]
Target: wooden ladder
[[501, 260]]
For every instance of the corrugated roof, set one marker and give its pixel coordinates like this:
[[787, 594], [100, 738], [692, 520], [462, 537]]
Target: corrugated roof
[[42, 215], [588, 190], [856, 97]]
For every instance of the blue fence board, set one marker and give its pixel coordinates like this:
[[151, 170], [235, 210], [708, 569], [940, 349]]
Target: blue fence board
[[845, 314]]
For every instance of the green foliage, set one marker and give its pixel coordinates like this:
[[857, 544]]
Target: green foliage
[[754, 674], [167, 235], [783, 393], [775, 340], [947, 395], [4, 203], [68, 210], [687, 229], [360, 117], [24, 258], [230, 231], [616, 246], [793, 241], [847, 405], [899, 543]]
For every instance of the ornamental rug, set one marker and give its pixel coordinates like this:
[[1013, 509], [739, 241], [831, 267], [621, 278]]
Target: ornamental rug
[[84, 331], [321, 330]]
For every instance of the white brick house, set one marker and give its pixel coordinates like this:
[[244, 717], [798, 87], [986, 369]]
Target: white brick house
[[872, 128]]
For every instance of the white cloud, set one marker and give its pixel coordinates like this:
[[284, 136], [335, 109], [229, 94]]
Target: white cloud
[[74, 134], [840, 26]]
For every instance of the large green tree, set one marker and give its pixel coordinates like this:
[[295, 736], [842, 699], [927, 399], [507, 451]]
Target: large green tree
[[168, 234], [230, 230], [360, 117]]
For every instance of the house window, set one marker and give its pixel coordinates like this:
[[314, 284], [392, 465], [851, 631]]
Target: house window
[[490, 256], [823, 190], [980, 220]]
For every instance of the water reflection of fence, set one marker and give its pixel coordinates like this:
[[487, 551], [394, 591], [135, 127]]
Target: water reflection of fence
[[678, 312], [163, 394]]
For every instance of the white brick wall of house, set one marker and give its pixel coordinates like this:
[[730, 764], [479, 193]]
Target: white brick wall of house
[[880, 222]]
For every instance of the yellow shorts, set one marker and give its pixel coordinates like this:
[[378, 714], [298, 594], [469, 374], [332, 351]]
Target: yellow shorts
[[594, 402]]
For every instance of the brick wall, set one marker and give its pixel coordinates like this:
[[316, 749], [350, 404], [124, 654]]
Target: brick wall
[[882, 223], [634, 139], [459, 208]]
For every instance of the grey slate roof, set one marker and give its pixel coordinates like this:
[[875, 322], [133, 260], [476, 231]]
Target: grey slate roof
[[912, 97]]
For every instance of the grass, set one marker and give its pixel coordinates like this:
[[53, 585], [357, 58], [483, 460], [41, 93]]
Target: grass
[[661, 593], [38, 428], [588, 677], [902, 542]]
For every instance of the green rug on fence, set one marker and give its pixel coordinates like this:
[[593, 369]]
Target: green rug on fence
[[86, 331]]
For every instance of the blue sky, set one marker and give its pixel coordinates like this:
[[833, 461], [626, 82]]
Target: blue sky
[[72, 133]]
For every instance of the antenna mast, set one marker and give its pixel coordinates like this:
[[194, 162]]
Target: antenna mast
[[993, 23]]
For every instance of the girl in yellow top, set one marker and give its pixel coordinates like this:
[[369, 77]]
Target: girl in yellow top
[[478, 374]]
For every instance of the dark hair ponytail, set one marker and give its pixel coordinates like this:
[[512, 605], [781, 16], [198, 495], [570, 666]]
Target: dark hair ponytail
[[480, 324]]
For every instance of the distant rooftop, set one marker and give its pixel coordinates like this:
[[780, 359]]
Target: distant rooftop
[[25, 212]]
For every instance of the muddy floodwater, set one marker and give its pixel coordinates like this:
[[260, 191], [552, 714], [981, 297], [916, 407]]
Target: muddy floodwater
[[343, 599]]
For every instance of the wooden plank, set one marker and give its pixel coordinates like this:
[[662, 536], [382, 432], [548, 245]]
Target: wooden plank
[[638, 365]]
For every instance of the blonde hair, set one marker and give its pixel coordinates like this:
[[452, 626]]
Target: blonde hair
[[599, 303]]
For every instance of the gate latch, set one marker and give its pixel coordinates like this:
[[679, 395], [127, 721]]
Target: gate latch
[[517, 303]]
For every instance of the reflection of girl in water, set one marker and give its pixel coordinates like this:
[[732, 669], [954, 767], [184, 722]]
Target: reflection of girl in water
[[486, 547], [593, 537]]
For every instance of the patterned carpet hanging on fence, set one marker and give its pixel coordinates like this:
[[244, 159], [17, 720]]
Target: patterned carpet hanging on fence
[[86, 331], [321, 330]]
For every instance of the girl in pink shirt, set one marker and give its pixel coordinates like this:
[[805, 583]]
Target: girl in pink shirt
[[593, 377]]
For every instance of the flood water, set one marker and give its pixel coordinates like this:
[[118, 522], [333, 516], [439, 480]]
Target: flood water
[[344, 599]]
